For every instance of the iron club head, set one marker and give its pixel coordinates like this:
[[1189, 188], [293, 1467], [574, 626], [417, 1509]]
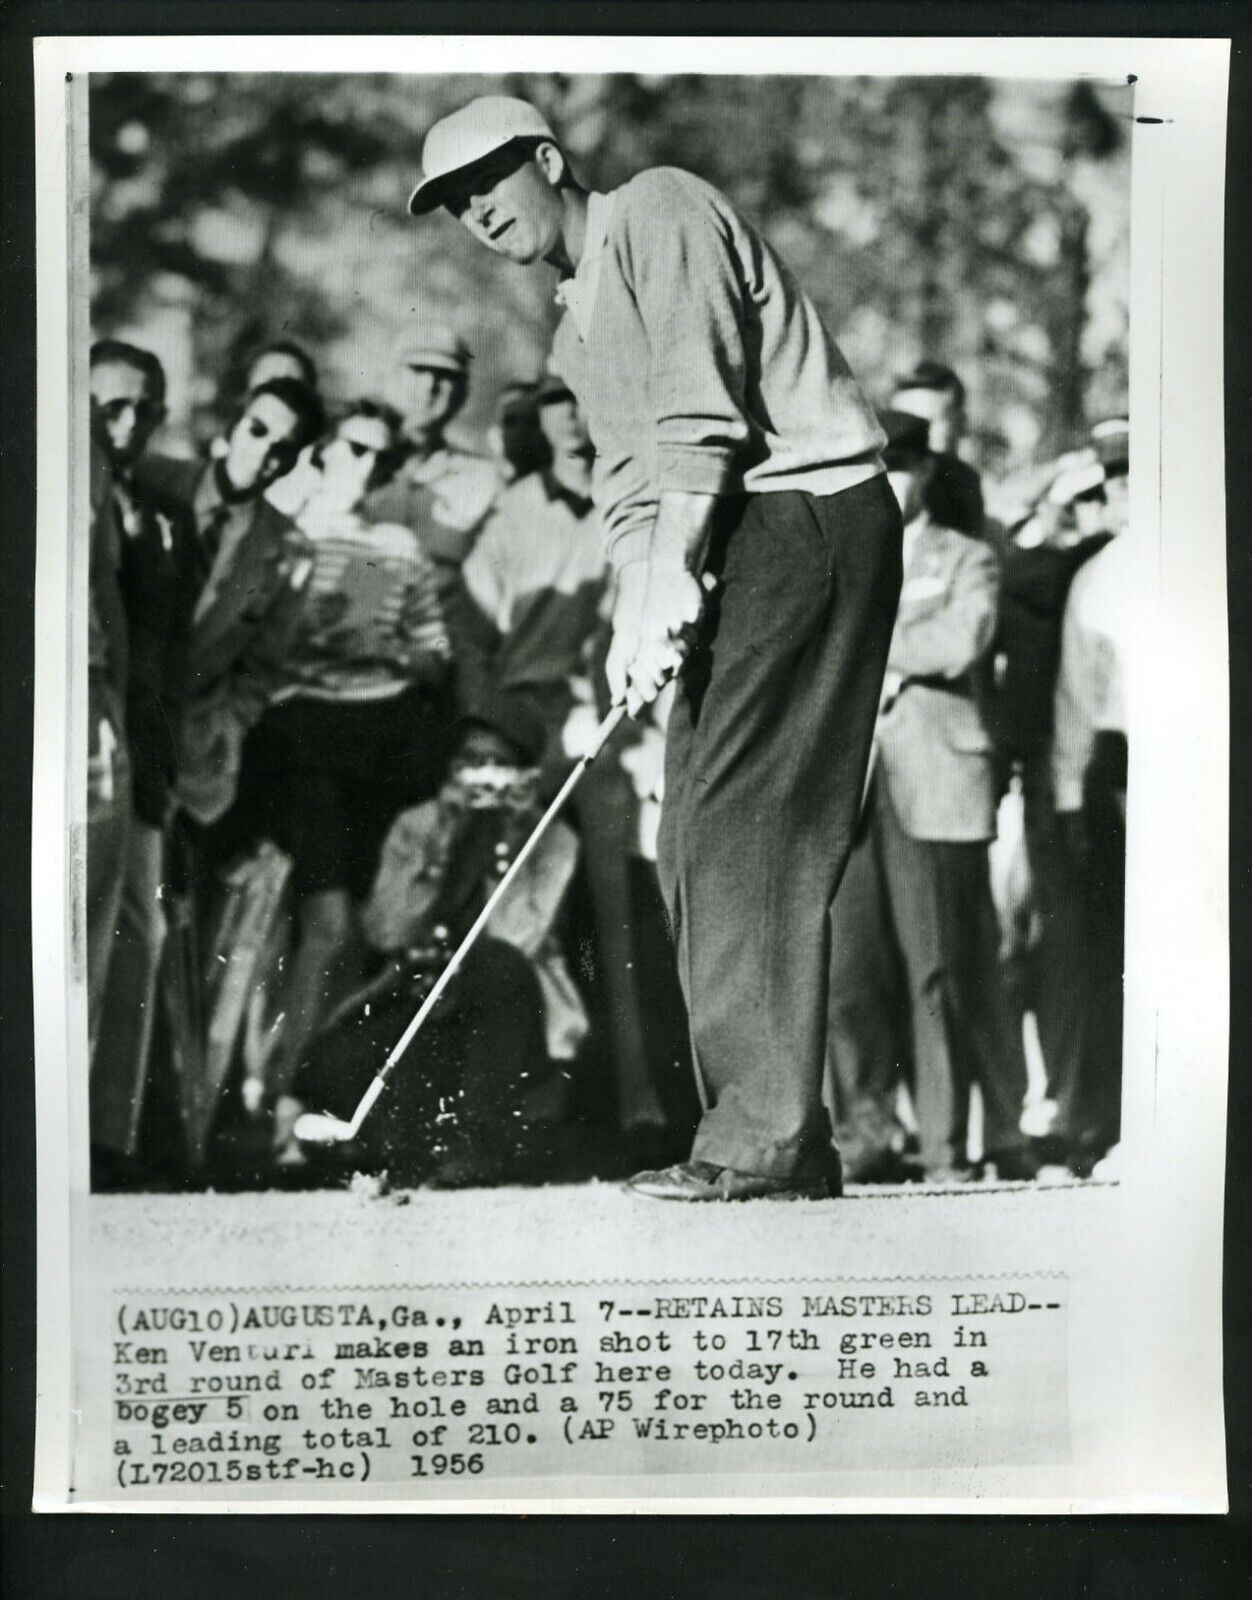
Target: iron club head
[[316, 1127]]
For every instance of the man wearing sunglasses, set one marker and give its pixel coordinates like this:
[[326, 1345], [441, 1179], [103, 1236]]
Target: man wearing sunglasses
[[757, 550], [253, 569]]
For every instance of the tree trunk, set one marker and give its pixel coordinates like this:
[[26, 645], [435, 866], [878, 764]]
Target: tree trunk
[[1066, 420]]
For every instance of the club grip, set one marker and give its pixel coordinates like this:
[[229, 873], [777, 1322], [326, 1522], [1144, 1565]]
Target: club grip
[[606, 730]]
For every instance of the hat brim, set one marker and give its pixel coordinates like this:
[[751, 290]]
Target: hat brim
[[1076, 482], [434, 363], [431, 193]]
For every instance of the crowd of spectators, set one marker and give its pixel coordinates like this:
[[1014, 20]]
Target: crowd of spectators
[[338, 668]]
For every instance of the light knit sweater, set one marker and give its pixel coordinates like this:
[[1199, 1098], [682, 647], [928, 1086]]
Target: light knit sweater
[[371, 623], [700, 362]]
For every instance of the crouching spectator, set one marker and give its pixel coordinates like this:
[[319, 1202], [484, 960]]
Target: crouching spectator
[[456, 1111]]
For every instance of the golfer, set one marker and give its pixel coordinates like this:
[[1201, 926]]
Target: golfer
[[757, 548]]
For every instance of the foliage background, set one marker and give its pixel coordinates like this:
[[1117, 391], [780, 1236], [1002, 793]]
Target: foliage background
[[983, 222]]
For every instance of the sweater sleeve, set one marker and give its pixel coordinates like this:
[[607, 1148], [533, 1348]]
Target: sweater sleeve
[[628, 505], [681, 261]]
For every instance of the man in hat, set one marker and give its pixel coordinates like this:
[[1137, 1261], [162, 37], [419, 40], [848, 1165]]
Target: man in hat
[[935, 393], [281, 358], [757, 548], [914, 911], [442, 492]]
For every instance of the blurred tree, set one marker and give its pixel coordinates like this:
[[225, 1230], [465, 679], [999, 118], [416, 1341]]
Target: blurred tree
[[981, 223]]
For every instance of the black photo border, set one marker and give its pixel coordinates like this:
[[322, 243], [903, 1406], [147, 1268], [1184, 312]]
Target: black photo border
[[184, 1557]]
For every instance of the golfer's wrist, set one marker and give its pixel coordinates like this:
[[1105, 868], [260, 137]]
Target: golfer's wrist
[[680, 534], [632, 590]]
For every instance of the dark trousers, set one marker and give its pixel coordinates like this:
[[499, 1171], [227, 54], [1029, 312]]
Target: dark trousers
[[109, 816], [1079, 961], [914, 949], [1059, 968], [607, 814], [120, 1065], [766, 753]]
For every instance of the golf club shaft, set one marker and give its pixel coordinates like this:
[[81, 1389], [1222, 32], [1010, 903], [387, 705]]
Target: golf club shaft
[[603, 733]]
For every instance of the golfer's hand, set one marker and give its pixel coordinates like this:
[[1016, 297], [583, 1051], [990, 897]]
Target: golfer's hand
[[655, 662], [638, 667], [660, 600], [659, 635]]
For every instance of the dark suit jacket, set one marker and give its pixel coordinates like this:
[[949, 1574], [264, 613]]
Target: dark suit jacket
[[107, 637], [168, 477], [240, 633], [255, 603], [1036, 584], [934, 750], [954, 496], [159, 577]]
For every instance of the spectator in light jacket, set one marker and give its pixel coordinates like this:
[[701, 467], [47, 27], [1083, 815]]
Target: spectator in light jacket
[[914, 911]]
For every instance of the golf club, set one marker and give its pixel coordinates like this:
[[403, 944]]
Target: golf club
[[320, 1128]]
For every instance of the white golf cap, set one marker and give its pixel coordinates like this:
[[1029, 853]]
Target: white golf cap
[[1075, 482], [466, 136]]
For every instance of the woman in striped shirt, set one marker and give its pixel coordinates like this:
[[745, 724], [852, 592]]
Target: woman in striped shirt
[[359, 725]]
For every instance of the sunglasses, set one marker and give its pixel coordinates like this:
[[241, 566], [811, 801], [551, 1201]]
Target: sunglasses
[[483, 176], [145, 410]]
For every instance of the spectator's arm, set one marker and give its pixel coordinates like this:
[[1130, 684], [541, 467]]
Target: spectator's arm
[[466, 496], [407, 881], [484, 582], [685, 283], [421, 636], [943, 631]]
